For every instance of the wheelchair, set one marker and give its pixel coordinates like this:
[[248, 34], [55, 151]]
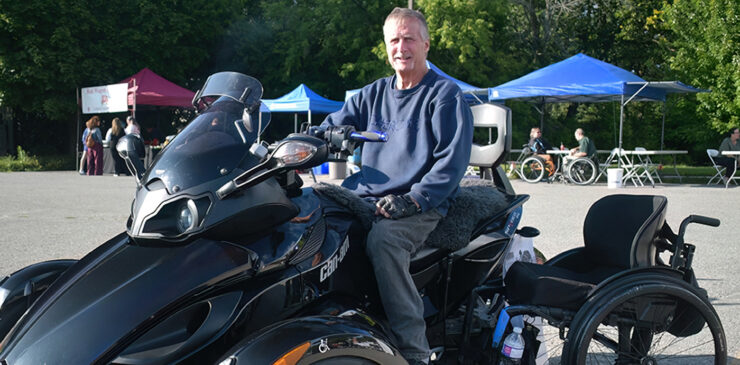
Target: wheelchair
[[579, 171], [534, 168], [628, 296]]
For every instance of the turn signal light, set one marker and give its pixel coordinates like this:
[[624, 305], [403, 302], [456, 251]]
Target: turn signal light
[[292, 356]]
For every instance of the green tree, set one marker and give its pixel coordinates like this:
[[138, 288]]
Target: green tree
[[470, 39], [49, 48], [327, 45], [705, 52]]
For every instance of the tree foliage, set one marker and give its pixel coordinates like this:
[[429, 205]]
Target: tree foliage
[[705, 52]]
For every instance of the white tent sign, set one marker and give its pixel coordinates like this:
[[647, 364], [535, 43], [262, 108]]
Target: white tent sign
[[105, 99]]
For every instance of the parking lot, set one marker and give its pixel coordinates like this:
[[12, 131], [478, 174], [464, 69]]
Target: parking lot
[[50, 215]]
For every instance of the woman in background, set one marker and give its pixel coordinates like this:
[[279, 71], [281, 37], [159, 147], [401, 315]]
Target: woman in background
[[112, 136], [94, 143], [83, 159]]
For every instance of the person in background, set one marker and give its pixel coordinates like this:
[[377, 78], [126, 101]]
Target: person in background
[[730, 143], [132, 127], [94, 152], [115, 133], [83, 159], [414, 177], [586, 147], [539, 146]]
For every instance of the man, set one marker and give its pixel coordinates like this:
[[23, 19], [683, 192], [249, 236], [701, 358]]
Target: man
[[415, 175], [586, 147], [730, 143]]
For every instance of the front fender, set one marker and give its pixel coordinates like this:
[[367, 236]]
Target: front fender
[[20, 289], [325, 336]]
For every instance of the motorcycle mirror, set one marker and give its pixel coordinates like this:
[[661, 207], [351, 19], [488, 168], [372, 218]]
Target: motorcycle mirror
[[131, 148], [297, 151]]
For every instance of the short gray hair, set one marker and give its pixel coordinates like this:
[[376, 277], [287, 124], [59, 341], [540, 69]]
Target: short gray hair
[[401, 13]]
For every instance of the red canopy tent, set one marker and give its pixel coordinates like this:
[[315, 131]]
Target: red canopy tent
[[148, 88]]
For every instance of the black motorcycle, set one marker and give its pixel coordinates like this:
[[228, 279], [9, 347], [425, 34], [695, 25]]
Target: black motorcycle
[[227, 259]]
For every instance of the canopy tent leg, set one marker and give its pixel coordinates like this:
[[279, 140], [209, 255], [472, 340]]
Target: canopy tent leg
[[540, 108], [295, 122], [621, 123], [621, 119], [77, 135], [662, 127]]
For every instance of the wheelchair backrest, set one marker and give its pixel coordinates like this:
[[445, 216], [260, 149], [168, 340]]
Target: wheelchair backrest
[[619, 230], [498, 118]]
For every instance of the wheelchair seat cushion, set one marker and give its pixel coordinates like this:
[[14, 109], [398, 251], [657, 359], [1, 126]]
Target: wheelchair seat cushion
[[552, 286]]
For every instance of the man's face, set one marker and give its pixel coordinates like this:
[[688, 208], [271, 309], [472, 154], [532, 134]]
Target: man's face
[[407, 51], [578, 136]]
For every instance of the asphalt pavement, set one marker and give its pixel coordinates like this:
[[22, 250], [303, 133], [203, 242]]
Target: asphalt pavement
[[53, 215]]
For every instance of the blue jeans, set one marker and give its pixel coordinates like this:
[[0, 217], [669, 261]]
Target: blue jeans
[[390, 245]]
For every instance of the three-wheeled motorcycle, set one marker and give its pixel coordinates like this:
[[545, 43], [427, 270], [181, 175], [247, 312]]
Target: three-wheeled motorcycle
[[226, 258]]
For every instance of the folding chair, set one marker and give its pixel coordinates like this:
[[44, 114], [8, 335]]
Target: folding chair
[[720, 170], [651, 168], [603, 166]]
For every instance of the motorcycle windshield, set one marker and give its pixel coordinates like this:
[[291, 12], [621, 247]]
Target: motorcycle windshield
[[211, 146]]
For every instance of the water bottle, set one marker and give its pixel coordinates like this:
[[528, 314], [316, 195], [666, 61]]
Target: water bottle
[[513, 348]]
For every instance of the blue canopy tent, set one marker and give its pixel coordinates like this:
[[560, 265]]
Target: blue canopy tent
[[302, 100], [581, 78], [465, 87]]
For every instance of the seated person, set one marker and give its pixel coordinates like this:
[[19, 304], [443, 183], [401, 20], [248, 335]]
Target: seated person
[[586, 148], [730, 143], [539, 147]]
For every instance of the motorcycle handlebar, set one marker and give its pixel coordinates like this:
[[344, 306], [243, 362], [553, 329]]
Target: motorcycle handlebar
[[368, 136]]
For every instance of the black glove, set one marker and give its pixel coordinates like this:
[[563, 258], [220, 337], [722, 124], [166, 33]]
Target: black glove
[[398, 206]]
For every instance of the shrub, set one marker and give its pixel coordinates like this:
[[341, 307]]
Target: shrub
[[21, 162]]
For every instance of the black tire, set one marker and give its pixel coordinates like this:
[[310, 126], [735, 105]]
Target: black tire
[[532, 169], [675, 326], [582, 171]]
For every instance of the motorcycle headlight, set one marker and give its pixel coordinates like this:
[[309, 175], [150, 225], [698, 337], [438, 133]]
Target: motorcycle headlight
[[177, 219], [187, 216]]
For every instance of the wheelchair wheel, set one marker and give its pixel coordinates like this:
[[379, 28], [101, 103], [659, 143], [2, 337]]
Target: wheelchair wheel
[[650, 322], [533, 169], [582, 171]]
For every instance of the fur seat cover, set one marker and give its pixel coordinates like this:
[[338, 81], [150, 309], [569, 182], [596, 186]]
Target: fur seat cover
[[476, 201]]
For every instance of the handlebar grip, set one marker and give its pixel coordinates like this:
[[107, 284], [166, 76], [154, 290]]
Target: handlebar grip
[[367, 136], [714, 222]]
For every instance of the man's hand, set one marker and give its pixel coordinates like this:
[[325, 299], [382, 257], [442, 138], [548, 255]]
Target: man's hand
[[396, 206]]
